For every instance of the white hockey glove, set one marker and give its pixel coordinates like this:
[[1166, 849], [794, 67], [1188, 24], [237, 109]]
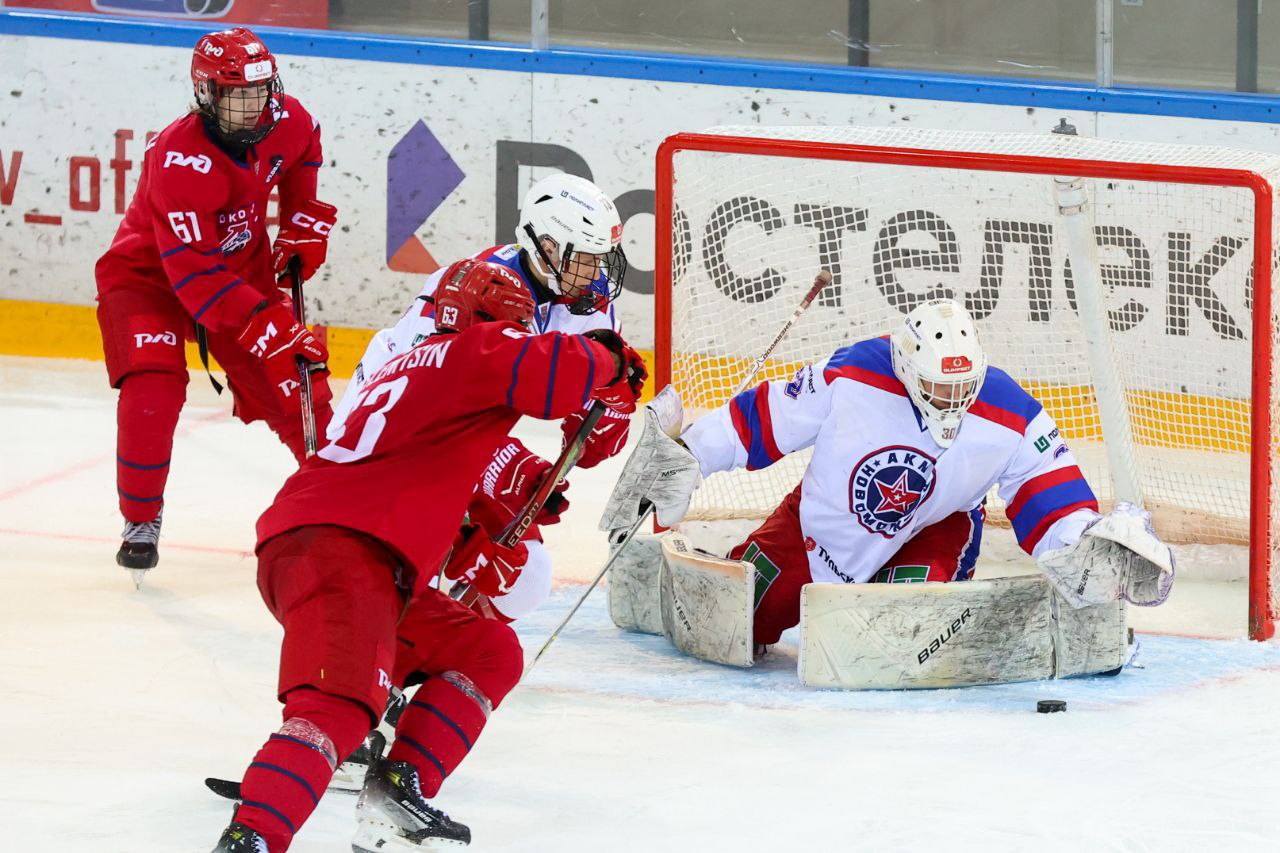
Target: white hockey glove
[[660, 471], [1118, 556]]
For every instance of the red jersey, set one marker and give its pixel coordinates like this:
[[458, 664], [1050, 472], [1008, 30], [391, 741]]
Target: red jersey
[[197, 224], [404, 464]]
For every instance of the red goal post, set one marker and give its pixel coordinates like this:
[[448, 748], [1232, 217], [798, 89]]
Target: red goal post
[[1156, 401]]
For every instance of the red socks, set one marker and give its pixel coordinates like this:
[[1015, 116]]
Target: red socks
[[438, 728], [289, 774], [146, 416]]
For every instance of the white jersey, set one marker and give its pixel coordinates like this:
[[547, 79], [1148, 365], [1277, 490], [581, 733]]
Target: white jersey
[[419, 322], [877, 477]]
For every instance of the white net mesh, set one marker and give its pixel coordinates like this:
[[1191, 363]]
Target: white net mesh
[[751, 230]]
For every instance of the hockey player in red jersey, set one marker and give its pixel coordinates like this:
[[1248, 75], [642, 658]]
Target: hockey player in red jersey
[[192, 260], [365, 525]]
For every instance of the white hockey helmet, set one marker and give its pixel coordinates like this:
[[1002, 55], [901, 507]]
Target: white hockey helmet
[[579, 219], [938, 357]]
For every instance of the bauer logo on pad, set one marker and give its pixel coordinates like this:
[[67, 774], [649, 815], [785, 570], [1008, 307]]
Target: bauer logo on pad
[[956, 364]]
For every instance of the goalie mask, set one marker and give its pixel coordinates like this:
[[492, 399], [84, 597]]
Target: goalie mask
[[472, 291], [572, 234], [938, 357], [238, 92]]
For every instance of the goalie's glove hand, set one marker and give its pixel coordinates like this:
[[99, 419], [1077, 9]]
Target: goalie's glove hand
[[305, 237], [661, 471], [512, 477], [483, 564], [621, 394], [605, 441], [1118, 556]]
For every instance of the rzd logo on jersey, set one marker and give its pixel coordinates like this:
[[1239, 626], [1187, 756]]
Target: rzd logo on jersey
[[888, 486]]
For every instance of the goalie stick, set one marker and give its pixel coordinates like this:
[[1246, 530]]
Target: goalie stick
[[820, 281]]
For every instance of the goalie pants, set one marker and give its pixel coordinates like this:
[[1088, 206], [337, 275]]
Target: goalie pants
[[946, 551], [347, 637], [144, 330]]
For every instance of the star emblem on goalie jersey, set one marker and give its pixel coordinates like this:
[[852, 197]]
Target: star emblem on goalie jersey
[[888, 486], [896, 498]]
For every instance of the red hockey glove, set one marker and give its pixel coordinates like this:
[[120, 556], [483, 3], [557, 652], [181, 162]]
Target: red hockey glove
[[306, 237], [514, 475], [606, 440], [483, 564], [274, 336], [622, 394]]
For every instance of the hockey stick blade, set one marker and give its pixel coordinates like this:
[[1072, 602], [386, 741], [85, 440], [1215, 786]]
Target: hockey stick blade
[[224, 788]]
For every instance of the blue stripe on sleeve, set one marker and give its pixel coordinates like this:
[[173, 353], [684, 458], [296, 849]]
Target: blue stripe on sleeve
[[515, 373], [210, 271], [591, 372], [551, 375], [1042, 503], [745, 403], [312, 163], [212, 299]]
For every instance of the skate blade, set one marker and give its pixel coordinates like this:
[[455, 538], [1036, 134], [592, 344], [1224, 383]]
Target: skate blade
[[138, 575], [345, 783], [377, 836]]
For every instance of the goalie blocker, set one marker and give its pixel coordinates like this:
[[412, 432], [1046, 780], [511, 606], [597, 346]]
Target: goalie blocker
[[869, 636]]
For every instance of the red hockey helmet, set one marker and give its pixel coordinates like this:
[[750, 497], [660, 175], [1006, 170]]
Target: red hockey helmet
[[473, 291], [236, 84]]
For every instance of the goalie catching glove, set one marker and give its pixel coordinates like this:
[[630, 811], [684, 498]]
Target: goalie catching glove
[[483, 564], [661, 471], [1118, 556]]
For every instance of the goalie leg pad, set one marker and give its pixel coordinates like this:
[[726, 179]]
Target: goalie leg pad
[[634, 602], [894, 636], [706, 603]]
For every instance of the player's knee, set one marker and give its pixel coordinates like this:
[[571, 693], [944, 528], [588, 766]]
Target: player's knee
[[159, 388], [498, 660], [316, 717]]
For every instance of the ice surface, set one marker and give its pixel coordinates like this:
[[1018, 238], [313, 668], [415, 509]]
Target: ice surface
[[117, 703]]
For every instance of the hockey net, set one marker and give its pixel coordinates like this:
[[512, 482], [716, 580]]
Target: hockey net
[[748, 215]]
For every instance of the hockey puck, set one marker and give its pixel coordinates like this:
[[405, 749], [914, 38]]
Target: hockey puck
[[1050, 706]]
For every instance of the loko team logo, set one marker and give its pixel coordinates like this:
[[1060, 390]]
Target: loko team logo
[[235, 228], [888, 486]]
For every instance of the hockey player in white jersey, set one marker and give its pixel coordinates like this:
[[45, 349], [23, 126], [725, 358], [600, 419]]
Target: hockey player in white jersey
[[909, 433], [568, 254]]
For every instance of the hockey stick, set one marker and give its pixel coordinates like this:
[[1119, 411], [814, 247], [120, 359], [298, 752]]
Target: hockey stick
[[821, 280], [304, 370], [516, 528]]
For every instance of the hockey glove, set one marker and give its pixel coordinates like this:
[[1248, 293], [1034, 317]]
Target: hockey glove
[[275, 337], [622, 393], [1118, 556], [605, 441], [483, 564], [514, 475], [660, 471], [306, 237]]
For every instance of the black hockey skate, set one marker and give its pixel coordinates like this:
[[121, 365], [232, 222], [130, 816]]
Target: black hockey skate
[[393, 815], [238, 838], [351, 773], [140, 549]]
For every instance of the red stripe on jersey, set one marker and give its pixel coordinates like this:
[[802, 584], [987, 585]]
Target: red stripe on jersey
[[1035, 485], [866, 377], [997, 415], [740, 425], [1033, 538]]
